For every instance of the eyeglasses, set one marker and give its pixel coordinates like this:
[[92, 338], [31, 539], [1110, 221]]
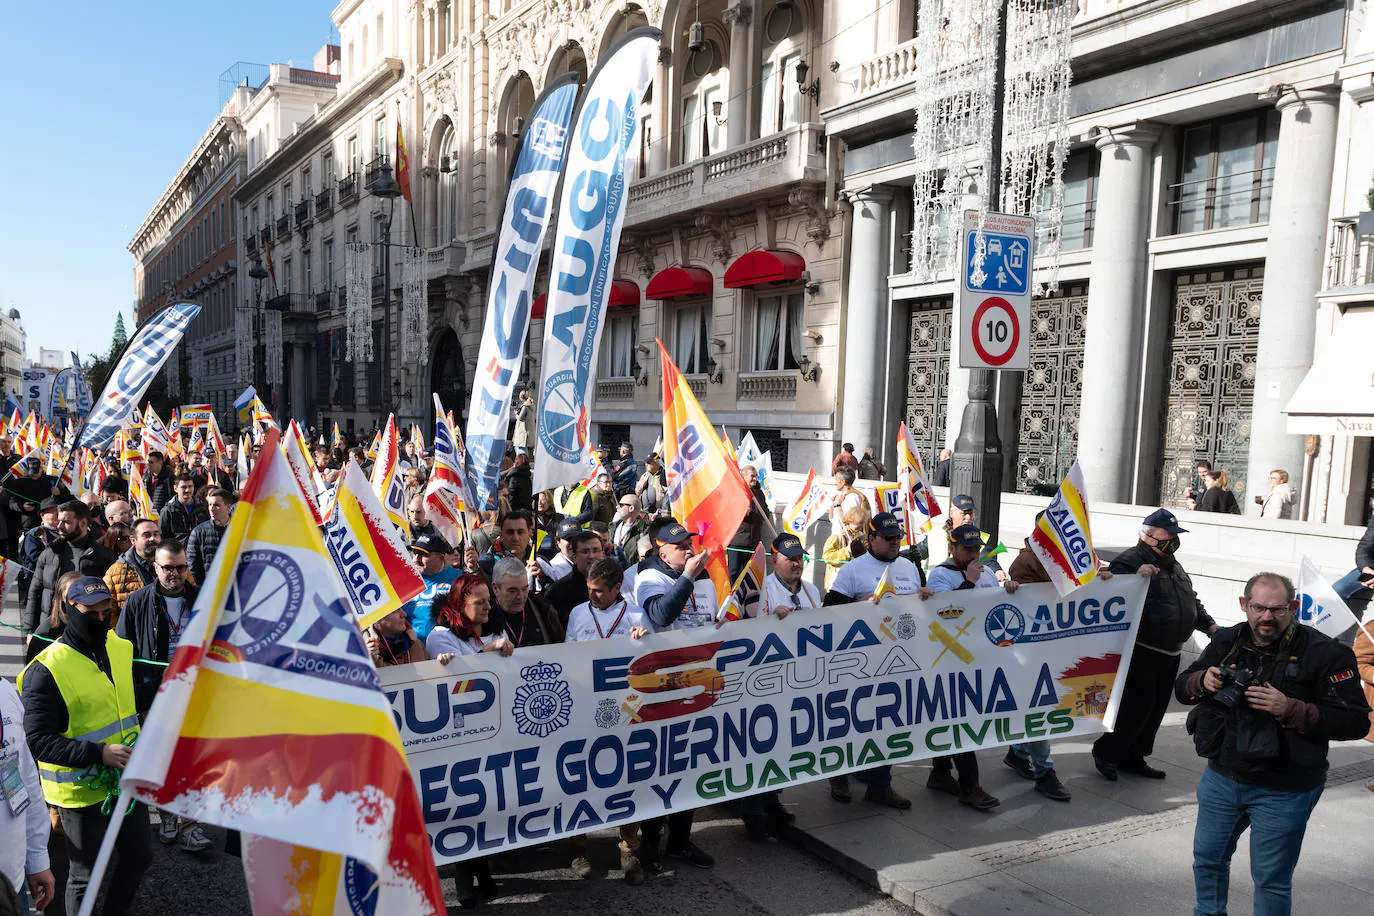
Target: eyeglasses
[[1271, 608], [176, 567], [627, 505]]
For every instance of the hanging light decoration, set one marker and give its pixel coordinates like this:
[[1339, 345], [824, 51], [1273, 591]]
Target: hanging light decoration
[[414, 307], [272, 358], [696, 33], [243, 346], [357, 304]]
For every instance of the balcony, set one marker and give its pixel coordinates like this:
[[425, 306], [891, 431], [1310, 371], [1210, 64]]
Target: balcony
[[615, 389], [278, 303], [303, 215], [445, 261], [265, 236], [764, 168], [766, 386], [888, 70], [348, 189], [283, 224], [322, 301], [1350, 253], [250, 244], [375, 169], [324, 203], [289, 304]]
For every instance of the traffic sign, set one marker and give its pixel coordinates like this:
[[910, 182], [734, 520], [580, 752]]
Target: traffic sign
[[994, 295]]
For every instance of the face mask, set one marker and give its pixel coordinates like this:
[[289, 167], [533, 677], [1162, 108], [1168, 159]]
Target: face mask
[[1169, 547], [86, 628]]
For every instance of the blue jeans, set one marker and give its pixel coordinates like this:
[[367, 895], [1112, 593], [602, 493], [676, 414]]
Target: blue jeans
[[1277, 822], [1348, 585], [1038, 753]]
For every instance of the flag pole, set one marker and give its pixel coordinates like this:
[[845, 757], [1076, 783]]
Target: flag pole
[[102, 859]]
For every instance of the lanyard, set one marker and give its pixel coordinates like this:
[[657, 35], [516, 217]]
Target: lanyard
[[524, 625], [623, 608]]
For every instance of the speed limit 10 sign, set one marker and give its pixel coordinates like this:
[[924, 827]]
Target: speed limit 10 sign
[[995, 295]]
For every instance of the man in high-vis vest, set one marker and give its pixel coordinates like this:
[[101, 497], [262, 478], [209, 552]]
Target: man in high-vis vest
[[81, 721]]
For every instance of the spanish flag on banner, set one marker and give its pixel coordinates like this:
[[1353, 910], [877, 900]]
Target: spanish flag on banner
[[707, 491]]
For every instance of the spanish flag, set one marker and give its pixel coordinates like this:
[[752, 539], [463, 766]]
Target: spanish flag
[[707, 491], [402, 164]]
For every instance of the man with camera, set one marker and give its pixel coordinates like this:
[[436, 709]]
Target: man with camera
[[1268, 694]]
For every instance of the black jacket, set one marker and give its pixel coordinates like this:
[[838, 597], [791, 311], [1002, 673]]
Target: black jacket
[[159, 487], [566, 594], [25, 495], [45, 711], [521, 483], [1218, 500], [144, 623], [177, 520], [538, 626], [1172, 609], [85, 555], [751, 529], [1364, 551], [1326, 704]]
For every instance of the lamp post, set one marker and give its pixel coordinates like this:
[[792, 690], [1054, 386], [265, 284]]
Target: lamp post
[[257, 273], [385, 187]]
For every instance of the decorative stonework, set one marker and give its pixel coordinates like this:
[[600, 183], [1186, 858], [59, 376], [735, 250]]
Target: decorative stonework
[[811, 202], [717, 227]]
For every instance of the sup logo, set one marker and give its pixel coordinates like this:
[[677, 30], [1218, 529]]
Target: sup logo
[[432, 714], [543, 704], [264, 600]]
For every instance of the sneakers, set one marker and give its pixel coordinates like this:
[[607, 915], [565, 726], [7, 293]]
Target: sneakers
[[169, 829], [1140, 768], [1022, 767], [692, 854], [1050, 787], [839, 789], [978, 799], [1106, 767], [887, 797], [943, 781], [581, 867], [634, 872], [193, 839]]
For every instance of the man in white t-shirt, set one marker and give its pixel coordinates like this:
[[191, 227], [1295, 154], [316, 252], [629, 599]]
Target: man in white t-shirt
[[857, 580], [787, 590]]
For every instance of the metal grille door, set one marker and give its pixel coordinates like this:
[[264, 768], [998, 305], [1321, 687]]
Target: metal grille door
[[1215, 338], [927, 375], [1051, 390]]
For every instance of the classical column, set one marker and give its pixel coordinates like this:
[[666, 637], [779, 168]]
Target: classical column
[[737, 18], [866, 311], [658, 112], [1293, 275], [1116, 312], [300, 385]]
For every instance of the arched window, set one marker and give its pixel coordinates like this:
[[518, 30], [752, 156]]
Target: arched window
[[703, 90], [569, 59], [516, 107], [448, 186], [779, 94], [381, 35], [348, 64]]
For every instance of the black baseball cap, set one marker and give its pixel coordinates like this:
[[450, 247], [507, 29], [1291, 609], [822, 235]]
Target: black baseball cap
[[885, 524], [568, 529], [967, 536], [789, 545], [430, 543], [1163, 518], [87, 591], [963, 502], [672, 533]]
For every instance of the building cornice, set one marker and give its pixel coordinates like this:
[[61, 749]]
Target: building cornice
[[226, 127]]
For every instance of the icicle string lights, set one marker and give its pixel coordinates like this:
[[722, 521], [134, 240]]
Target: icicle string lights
[[272, 360], [357, 304], [414, 307]]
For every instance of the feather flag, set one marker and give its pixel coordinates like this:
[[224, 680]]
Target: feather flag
[[1062, 539], [811, 504], [916, 499], [707, 493], [139, 499], [446, 493], [271, 721], [298, 460], [336, 441], [367, 551], [884, 586], [387, 481], [748, 597]]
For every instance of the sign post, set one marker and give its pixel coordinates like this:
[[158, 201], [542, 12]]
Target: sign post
[[995, 296]]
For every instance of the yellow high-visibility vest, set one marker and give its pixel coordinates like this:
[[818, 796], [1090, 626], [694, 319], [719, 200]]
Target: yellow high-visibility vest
[[97, 710]]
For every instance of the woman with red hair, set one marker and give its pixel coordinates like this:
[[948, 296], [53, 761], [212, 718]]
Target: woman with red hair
[[462, 614]]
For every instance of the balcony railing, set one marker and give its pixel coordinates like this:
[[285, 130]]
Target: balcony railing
[[283, 224], [375, 168], [766, 386], [348, 189], [615, 389], [265, 235], [251, 244], [1350, 254], [323, 301], [296, 303], [279, 303], [888, 69], [303, 214], [324, 202]]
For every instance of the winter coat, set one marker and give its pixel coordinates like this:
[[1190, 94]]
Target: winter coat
[[1172, 608], [85, 555]]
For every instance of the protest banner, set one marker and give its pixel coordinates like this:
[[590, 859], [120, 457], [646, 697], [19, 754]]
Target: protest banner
[[560, 740]]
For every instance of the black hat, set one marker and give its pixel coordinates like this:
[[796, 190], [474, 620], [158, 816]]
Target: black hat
[[567, 529], [789, 545], [51, 503], [963, 502], [1163, 518], [672, 533], [430, 543], [967, 536], [885, 524]]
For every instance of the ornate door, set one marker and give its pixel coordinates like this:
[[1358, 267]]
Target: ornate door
[[446, 373], [1051, 390], [927, 375], [1215, 338]]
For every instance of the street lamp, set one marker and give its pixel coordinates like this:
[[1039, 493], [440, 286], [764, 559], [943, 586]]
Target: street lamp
[[257, 273], [385, 187]]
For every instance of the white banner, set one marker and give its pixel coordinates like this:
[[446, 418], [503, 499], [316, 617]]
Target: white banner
[[602, 156], [524, 223], [557, 741]]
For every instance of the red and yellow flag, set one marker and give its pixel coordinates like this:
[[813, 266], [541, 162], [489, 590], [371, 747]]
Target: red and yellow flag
[[707, 491], [402, 164]]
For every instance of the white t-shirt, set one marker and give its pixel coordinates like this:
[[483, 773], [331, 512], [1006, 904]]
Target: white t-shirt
[[859, 577], [944, 579], [586, 623], [699, 610], [23, 837], [557, 568], [779, 595], [178, 615], [442, 639]]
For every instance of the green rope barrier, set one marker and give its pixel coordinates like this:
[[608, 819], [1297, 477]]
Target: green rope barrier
[[10, 626], [104, 778]]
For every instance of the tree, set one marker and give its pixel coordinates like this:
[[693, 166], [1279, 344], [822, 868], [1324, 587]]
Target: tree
[[121, 337]]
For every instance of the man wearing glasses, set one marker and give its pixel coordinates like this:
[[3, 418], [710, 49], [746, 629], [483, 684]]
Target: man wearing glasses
[[1268, 695], [1172, 612]]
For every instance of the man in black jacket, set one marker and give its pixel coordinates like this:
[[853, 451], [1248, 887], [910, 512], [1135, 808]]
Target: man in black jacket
[[520, 480], [179, 517], [153, 618], [34, 541], [157, 480], [571, 590], [203, 543], [75, 548], [754, 529], [1270, 693], [27, 489], [1172, 612]]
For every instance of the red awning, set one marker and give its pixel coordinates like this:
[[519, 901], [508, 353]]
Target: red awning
[[624, 295], [759, 267], [673, 282]]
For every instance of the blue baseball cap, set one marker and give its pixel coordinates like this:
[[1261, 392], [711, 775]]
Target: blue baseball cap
[[568, 529], [431, 543], [87, 591], [789, 545], [963, 502], [885, 524], [1163, 518], [967, 536], [672, 533]]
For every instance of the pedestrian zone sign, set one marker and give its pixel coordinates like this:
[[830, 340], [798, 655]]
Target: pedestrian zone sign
[[994, 295]]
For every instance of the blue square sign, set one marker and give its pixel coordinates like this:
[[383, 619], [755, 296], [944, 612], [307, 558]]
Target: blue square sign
[[1006, 264]]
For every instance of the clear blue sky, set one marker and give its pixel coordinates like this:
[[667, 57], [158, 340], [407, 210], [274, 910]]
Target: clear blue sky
[[102, 103]]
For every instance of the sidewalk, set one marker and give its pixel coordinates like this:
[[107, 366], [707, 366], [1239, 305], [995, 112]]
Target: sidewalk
[[1117, 848]]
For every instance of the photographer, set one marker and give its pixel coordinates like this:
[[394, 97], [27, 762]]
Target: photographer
[[1269, 694]]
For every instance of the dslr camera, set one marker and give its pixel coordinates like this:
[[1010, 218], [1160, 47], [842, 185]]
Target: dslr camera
[[1233, 684]]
